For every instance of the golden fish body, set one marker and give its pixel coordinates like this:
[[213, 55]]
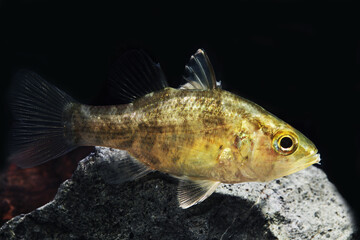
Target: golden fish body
[[199, 133]]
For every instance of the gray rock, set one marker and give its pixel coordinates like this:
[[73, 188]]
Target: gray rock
[[304, 205]]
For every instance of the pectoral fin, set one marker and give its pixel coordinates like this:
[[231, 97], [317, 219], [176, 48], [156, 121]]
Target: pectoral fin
[[191, 191]]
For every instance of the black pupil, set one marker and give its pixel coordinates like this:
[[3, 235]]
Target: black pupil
[[286, 142]]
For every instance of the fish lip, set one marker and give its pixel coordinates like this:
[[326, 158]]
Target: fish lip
[[317, 158], [312, 159], [306, 162]]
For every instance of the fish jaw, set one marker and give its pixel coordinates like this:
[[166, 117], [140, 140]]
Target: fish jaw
[[271, 170], [300, 165], [308, 161], [286, 167]]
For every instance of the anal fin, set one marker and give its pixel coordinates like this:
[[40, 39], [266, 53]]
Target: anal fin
[[194, 191], [122, 169]]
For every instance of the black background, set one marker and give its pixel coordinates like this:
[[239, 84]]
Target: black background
[[299, 61]]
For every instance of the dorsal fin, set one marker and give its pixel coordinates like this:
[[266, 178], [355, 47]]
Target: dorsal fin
[[134, 75], [199, 73]]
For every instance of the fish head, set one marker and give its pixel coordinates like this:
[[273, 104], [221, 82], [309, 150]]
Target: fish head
[[280, 151]]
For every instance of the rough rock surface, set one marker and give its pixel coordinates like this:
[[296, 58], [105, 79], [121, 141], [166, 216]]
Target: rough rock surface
[[304, 205]]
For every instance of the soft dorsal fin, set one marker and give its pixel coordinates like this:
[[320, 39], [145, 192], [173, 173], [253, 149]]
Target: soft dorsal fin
[[134, 75], [193, 191], [199, 73]]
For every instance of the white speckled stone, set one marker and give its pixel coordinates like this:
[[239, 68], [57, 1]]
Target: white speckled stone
[[309, 204]]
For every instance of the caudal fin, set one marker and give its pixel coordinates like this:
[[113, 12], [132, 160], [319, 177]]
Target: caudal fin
[[38, 133]]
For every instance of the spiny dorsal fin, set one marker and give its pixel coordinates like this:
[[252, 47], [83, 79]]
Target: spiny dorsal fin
[[122, 169], [199, 73], [134, 75], [194, 191]]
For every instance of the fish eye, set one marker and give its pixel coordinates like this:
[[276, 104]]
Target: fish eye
[[285, 143]]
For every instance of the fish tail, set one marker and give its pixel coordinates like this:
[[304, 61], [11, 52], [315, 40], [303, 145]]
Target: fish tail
[[39, 129]]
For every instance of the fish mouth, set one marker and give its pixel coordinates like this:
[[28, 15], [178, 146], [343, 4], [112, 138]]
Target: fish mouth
[[306, 162], [309, 160], [312, 159]]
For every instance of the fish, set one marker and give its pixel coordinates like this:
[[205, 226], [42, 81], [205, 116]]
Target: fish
[[198, 133]]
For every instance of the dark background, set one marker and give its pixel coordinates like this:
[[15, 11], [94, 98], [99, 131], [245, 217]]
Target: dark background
[[299, 61]]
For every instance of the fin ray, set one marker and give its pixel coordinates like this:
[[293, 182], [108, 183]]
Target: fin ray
[[117, 171], [37, 134], [135, 75], [193, 191], [199, 73]]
